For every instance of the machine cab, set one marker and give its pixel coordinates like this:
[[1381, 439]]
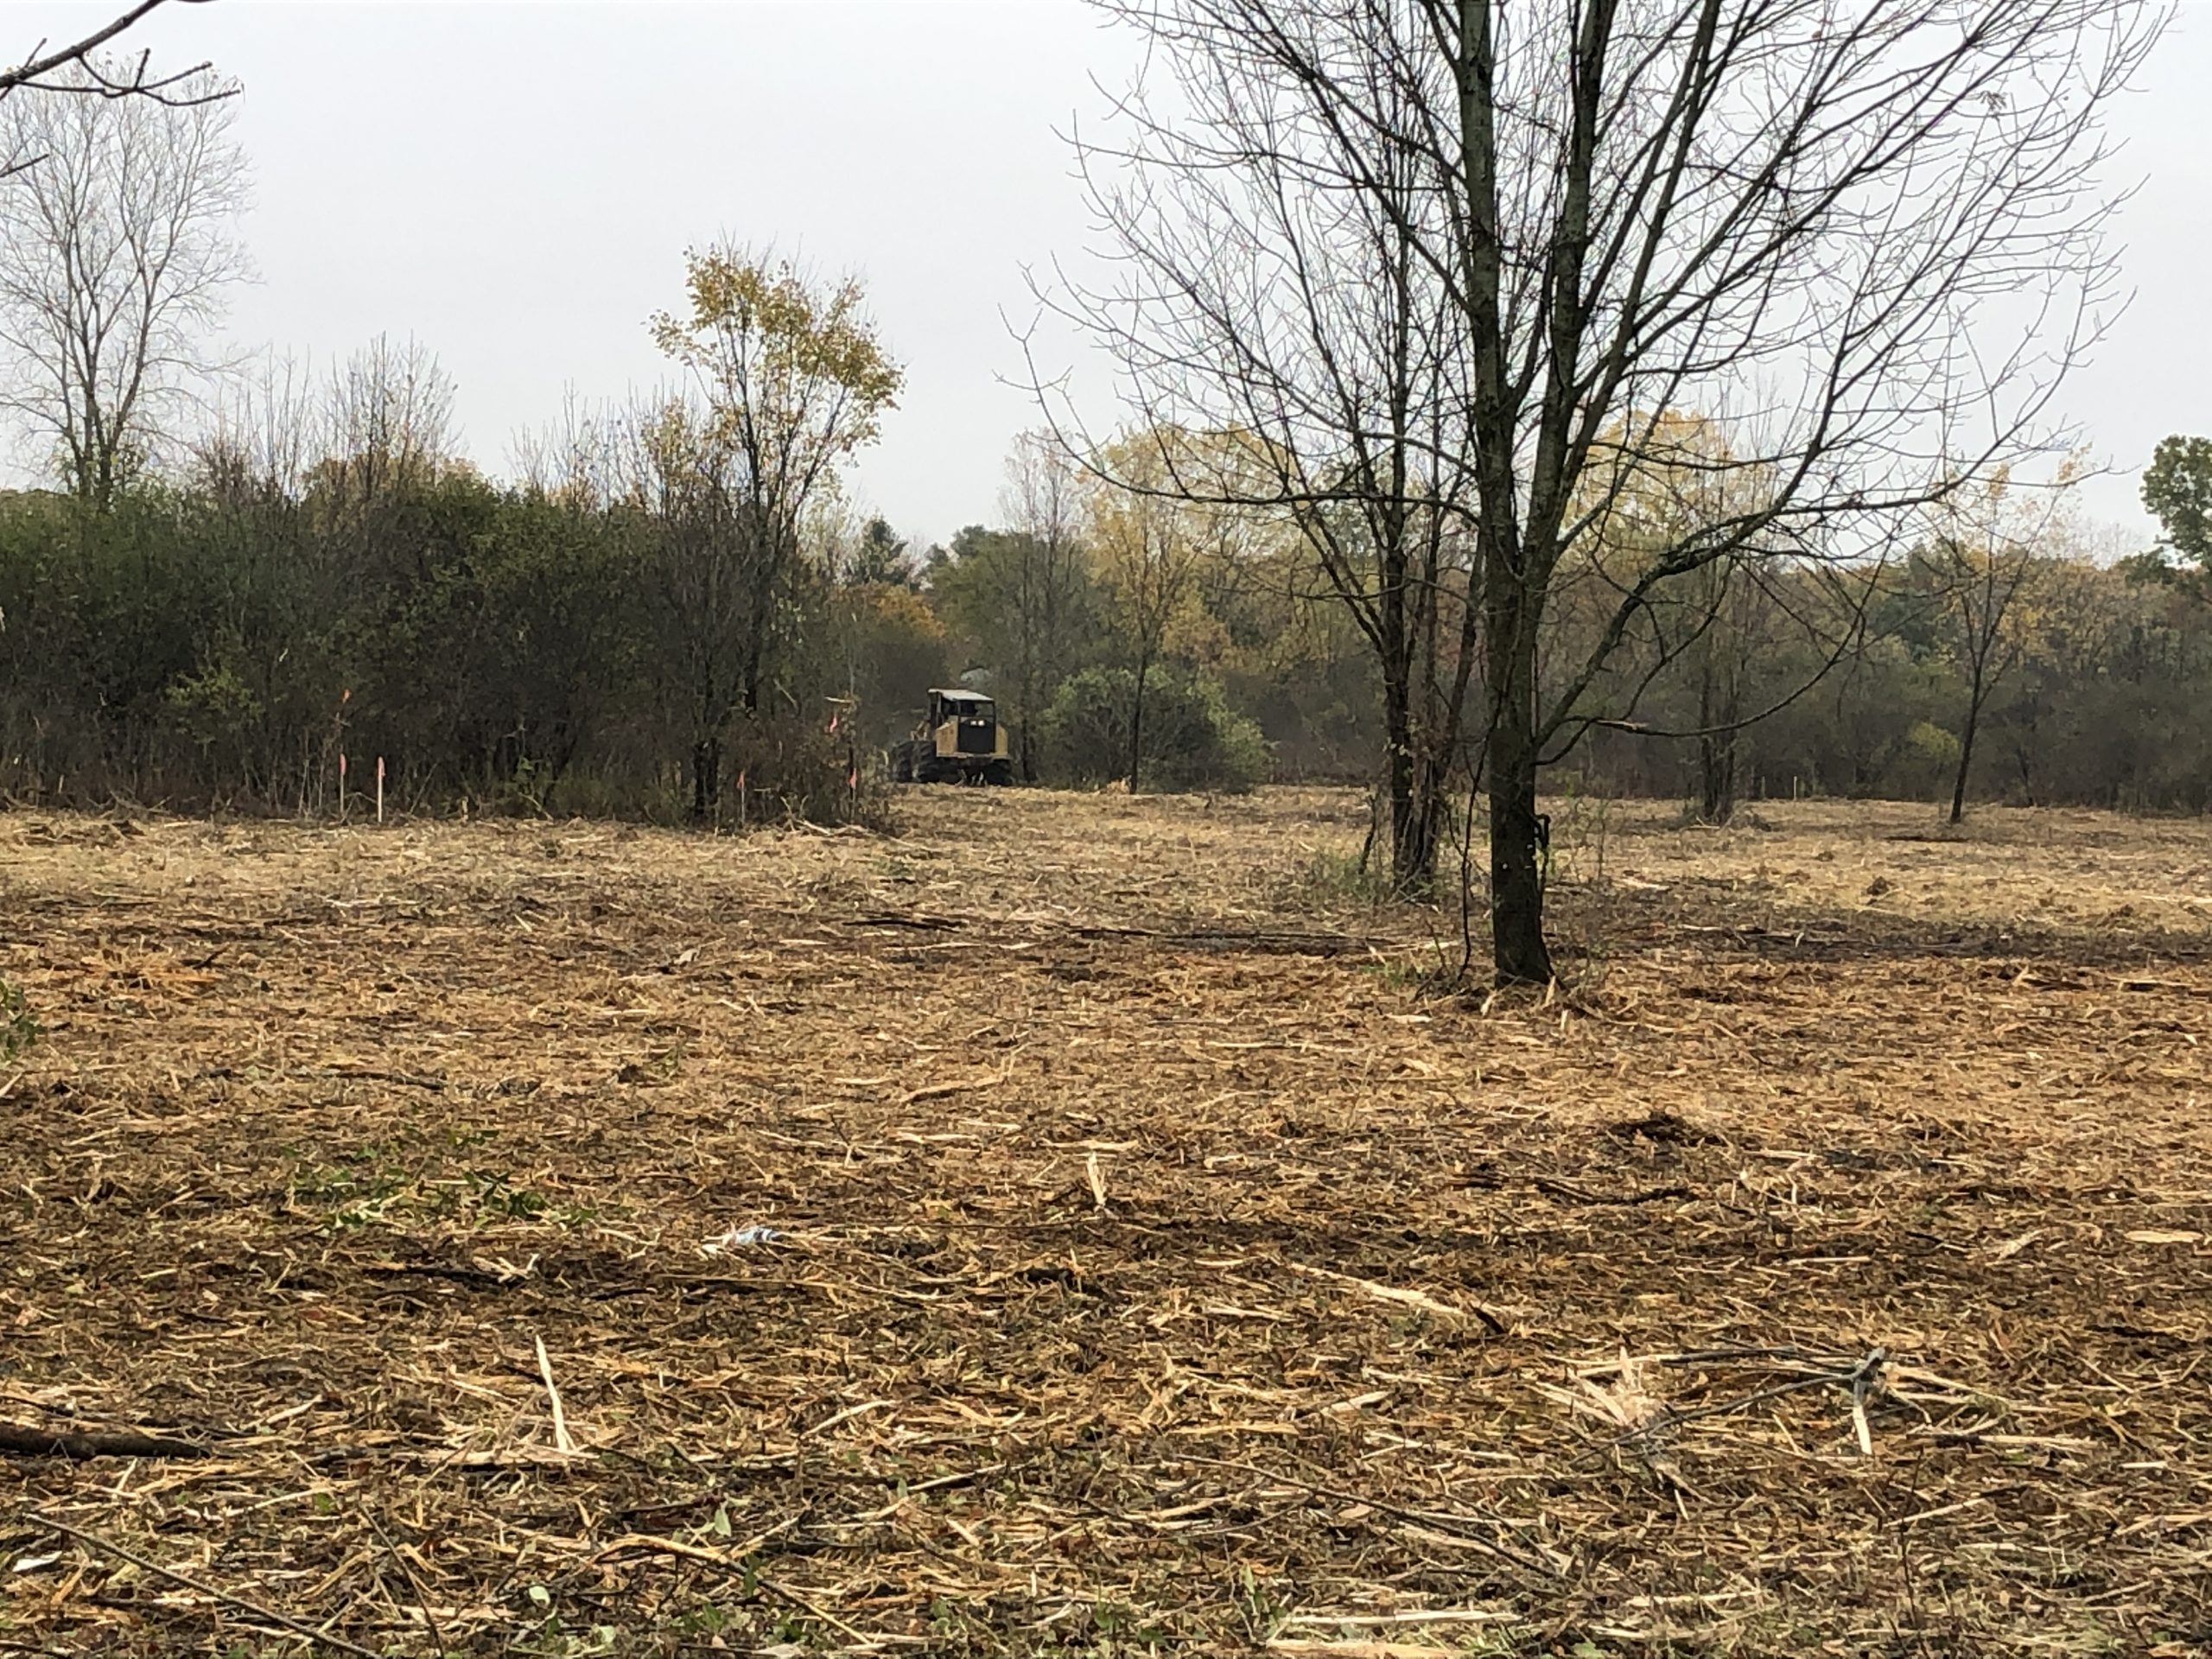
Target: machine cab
[[958, 741], [964, 723]]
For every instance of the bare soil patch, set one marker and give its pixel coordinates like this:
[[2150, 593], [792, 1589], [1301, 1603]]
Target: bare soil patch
[[1070, 1226]]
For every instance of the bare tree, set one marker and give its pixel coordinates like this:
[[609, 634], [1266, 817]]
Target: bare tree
[[1788, 215], [1989, 547], [116, 249], [387, 420], [260, 436], [582, 458], [1042, 505], [1279, 290], [1740, 606]]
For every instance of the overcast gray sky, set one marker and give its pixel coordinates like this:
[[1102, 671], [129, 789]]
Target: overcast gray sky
[[514, 184]]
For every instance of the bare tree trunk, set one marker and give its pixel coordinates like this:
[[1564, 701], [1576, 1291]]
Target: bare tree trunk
[[1136, 723], [1717, 776], [706, 778], [1028, 717], [1966, 746], [706, 755], [1413, 865], [1518, 953], [1412, 815], [1716, 749]]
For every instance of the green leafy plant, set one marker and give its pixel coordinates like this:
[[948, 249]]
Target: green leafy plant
[[19, 1028], [1191, 739]]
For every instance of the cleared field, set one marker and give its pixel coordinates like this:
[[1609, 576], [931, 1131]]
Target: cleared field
[[1071, 1225]]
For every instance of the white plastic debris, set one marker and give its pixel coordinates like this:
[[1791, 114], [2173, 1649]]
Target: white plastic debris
[[738, 1238]]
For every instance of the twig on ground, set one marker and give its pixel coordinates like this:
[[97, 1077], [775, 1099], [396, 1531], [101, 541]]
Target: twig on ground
[[296, 1626], [1582, 1195], [560, 1441]]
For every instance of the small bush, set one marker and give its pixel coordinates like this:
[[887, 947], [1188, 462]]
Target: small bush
[[1192, 739], [1932, 745], [19, 1029]]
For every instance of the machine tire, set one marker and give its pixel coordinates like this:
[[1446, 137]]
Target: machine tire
[[999, 774], [932, 768], [902, 763]]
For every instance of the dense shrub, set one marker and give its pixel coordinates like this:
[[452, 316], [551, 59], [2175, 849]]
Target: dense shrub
[[1189, 738]]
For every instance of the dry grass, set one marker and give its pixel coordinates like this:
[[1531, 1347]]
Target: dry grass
[[1150, 1262]]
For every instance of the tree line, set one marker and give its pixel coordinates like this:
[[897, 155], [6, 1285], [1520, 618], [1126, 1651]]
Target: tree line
[[577, 640], [1595, 396]]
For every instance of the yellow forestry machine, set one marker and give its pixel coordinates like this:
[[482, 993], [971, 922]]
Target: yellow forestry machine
[[959, 741]]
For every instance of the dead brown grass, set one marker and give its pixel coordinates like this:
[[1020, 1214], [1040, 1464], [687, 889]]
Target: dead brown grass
[[1151, 1263]]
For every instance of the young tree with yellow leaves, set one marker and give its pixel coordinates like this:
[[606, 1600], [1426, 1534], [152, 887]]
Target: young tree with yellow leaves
[[788, 379]]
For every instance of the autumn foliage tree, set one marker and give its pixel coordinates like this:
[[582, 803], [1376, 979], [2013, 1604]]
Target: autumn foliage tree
[[787, 379]]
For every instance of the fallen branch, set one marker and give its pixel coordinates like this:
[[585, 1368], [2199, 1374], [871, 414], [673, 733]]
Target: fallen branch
[[560, 1439], [1461, 1526], [1863, 1378], [1583, 1195], [53, 1443], [379, 1074], [733, 1560], [939, 1091]]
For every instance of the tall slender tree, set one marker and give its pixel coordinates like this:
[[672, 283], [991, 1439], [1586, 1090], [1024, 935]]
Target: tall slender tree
[[788, 378], [118, 244], [1042, 503], [1989, 547]]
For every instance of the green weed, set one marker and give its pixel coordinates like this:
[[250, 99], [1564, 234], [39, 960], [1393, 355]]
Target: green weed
[[19, 1028]]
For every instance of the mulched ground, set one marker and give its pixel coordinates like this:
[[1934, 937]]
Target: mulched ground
[[1075, 1225]]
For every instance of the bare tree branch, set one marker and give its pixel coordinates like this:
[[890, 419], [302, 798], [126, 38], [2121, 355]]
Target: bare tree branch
[[133, 80]]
